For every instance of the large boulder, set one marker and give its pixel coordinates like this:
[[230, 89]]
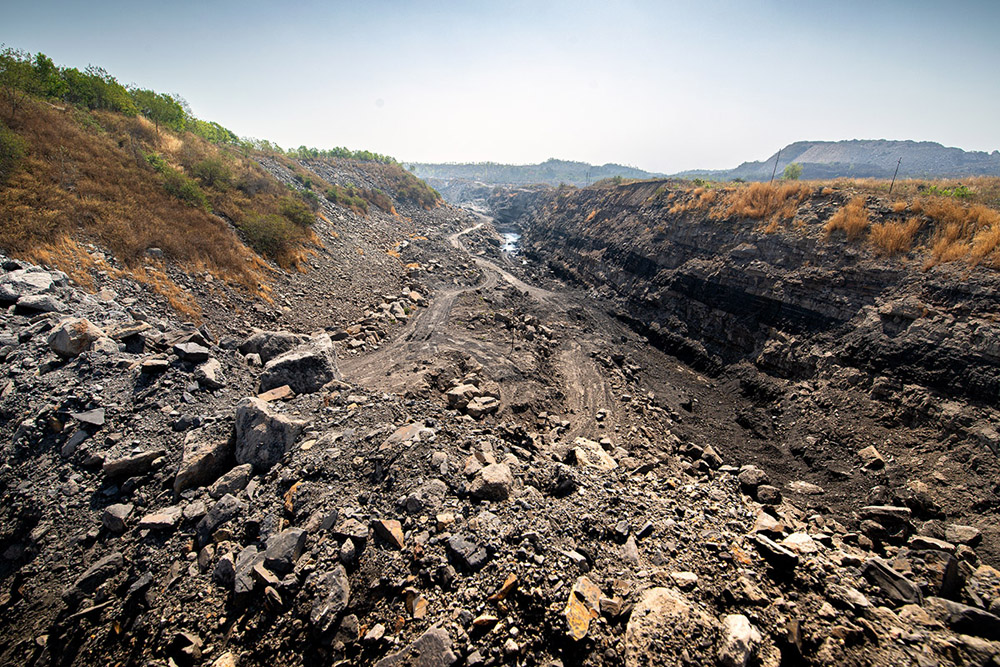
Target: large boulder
[[270, 344], [494, 482], [263, 436], [73, 336], [665, 624], [431, 649], [305, 369]]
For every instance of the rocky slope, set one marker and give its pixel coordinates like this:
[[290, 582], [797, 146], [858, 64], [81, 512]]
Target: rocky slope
[[423, 452]]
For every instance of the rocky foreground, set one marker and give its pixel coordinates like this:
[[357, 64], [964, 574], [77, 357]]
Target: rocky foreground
[[472, 471]]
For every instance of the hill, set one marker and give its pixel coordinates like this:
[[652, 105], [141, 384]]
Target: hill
[[864, 158], [551, 172]]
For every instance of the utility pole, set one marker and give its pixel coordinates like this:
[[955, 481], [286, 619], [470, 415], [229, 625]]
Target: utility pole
[[775, 170], [894, 174]]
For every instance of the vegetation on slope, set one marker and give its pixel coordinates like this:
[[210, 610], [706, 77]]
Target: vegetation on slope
[[938, 221]]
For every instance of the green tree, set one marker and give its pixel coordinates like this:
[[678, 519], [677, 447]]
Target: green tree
[[48, 79], [161, 108], [16, 77], [792, 172]]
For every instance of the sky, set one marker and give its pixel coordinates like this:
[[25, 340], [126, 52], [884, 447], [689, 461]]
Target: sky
[[660, 85]]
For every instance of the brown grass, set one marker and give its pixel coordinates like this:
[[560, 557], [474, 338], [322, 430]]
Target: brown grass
[[894, 237], [762, 201], [852, 219]]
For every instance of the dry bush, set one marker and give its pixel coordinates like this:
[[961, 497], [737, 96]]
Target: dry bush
[[894, 237], [852, 219], [962, 231], [899, 206], [760, 201]]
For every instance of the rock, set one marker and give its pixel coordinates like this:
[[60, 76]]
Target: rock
[[468, 555], [894, 586], [959, 534], [232, 482], [154, 365], [583, 606], [805, 488], [663, 624], [224, 573], [282, 393], [800, 543], [40, 303], [192, 352], [202, 461], [305, 369], [244, 580], [750, 478], [114, 517], [93, 418], [73, 336], [481, 406], [494, 482], [185, 648], [132, 466], [209, 375], [590, 454], [431, 649], [965, 619], [227, 659], [94, 576], [389, 531], [284, 549], [333, 593], [263, 436], [685, 581], [165, 519], [460, 396], [768, 495], [737, 639], [922, 542], [871, 459], [269, 344], [226, 509], [776, 555]]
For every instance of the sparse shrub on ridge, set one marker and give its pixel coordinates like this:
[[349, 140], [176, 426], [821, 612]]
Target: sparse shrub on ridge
[[894, 237], [852, 219]]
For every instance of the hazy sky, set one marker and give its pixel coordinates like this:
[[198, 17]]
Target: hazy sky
[[660, 85]]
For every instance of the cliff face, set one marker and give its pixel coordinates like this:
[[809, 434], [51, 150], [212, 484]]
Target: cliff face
[[716, 292]]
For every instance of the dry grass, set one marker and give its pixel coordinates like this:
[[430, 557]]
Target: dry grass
[[763, 201], [852, 219], [894, 237]]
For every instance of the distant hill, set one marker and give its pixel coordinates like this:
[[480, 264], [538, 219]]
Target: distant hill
[[551, 172], [865, 158]]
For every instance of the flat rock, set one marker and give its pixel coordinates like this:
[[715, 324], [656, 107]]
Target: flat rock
[[389, 531], [192, 352], [481, 406], [468, 555], [165, 519], [959, 534], [95, 575], [132, 466], [114, 517], [284, 549], [805, 488], [583, 606], [231, 482], [333, 591], [270, 344], [209, 375], [431, 649], [590, 454], [41, 303], [894, 586]]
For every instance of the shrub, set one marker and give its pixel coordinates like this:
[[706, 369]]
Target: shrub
[[270, 235], [760, 201], [12, 149], [792, 172], [184, 188], [213, 173], [852, 219], [296, 211]]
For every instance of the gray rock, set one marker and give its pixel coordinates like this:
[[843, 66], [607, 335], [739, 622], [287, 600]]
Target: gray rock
[[737, 640], [224, 573], [164, 519], [269, 344], [114, 517], [333, 591], [965, 619], [481, 406], [244, 580], [202, 461], [662, 623], [132, 466], [468, 555], [284, 549], [73, 336], [221, 513], [768, 495], [232, 482], [94, 576], [431, 649], [494, 482], [192, 352], [209, 375], [750, 478], [778, 556], [459, 397], [959, 534], [263, 436], [894, 586], [305, 369], [90, 417], [40, 303]]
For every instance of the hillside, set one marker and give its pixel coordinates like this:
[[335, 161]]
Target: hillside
[[551, 172], [858, 158]]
